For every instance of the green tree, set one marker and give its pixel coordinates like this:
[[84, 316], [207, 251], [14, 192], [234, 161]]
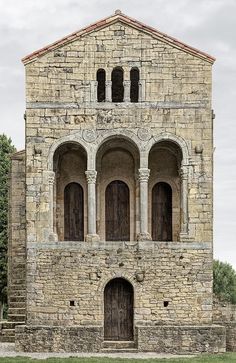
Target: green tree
[[6, 149], [224, 281]]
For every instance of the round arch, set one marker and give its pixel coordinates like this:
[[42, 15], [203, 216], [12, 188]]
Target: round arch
[[178, 140], [69, 139]]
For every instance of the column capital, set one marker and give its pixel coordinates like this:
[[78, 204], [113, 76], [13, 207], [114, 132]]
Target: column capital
[[143, 174], [91, 176], [108, 83], [51, 177]]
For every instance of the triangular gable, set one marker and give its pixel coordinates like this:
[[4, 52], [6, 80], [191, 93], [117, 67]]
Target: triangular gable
[[118, 16]]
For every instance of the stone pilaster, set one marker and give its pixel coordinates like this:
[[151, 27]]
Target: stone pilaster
[[184, 201], [51, 182], [91, 176], [143, 185]]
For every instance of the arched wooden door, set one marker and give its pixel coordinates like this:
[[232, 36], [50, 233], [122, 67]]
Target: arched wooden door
[[73, 212], [118, 310], [162, 212], [117, 212]]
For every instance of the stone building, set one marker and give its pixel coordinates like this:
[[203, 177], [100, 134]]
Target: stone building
[[111, 219]]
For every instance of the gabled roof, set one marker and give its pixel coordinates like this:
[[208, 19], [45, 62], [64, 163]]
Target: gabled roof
[[119, 16]]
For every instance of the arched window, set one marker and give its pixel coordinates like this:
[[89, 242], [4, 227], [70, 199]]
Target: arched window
[[134, 84], [73, 212], [101, 88], [117, 78], [162, 212]]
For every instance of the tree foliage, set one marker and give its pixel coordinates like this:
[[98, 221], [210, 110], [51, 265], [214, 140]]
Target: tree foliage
[[6, 149], [224, 281]]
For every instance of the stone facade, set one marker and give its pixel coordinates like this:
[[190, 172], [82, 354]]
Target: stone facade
[[165, 137]]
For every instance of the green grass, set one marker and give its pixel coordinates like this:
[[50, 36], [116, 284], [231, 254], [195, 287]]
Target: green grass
[[219, 358]]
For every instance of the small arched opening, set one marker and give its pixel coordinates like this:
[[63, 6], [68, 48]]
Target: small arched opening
[[117, 78], [101, 86], [70, 192], [117, 163], [118, 310], [165, 159], [134, 85]]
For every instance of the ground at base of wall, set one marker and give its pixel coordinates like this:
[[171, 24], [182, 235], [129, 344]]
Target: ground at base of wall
[[8, 354]]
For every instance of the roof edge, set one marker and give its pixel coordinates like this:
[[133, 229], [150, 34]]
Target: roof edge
[[113, 18]]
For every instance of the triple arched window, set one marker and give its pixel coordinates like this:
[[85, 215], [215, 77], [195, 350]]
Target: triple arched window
[[117, 92]]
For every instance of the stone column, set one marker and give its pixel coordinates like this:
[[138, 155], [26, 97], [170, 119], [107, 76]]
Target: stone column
[[143, 186], [51, 181], [126, 91], [184, 201], [91, 181], [108, 91]]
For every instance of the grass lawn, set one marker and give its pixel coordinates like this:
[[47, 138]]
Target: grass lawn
[[228, 357]]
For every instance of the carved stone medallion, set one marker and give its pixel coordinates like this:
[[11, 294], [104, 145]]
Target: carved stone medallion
[[89, 135], [144, 134]]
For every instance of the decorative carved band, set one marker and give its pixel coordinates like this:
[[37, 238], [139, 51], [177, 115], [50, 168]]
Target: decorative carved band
[[144, 175], [91, 176]]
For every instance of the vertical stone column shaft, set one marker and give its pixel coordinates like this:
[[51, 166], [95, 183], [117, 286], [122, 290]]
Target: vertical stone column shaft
[[108, 91], [91, 176], [51, 182], [143, 180], [126, 91], [184, 199]]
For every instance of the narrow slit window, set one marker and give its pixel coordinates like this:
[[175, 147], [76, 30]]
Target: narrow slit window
[[117, 78], [134, 84], [101, 88]]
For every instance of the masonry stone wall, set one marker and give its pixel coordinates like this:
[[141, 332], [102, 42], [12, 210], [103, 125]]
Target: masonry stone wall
[[167, 134], [177, 101]]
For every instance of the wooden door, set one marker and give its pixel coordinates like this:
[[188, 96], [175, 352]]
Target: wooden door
[[73, 212], [118, 310], [162, 212], [117, 212]]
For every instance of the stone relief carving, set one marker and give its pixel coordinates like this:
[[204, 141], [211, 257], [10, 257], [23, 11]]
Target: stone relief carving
[[144, 134], [89, 135]]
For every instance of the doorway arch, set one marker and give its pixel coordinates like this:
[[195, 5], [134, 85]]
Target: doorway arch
[[118, 310], [117, 211]]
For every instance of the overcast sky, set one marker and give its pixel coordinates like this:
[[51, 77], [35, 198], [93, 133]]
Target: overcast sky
[[209, 25]]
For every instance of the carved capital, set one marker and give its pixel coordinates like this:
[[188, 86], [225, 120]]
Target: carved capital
[[143, 175], [108, 83], [91, 176], [126, 84], [51, 177]]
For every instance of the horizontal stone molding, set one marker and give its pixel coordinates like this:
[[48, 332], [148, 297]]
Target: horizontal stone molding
[[110, 105], [114, 245]]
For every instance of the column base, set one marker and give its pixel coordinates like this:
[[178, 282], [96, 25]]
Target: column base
[[144, 237], [53, 237], [92, 238]]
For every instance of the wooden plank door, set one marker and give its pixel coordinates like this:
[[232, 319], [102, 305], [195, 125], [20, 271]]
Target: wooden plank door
[[117, 212], [73, 212], [162, 212], [118, 310]]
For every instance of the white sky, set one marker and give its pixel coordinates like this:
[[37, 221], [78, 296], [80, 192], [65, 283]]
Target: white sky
[[209, 25]]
